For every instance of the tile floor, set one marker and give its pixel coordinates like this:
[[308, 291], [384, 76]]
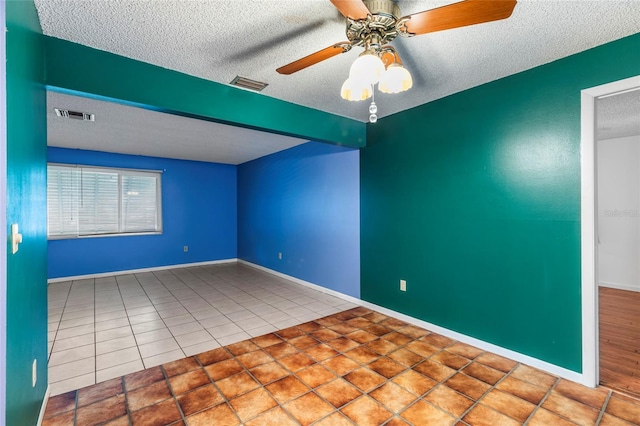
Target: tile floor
[[107, 327], [357, 367]]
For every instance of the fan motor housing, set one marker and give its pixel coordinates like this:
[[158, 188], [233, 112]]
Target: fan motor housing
[[378, 28], [383, 7]]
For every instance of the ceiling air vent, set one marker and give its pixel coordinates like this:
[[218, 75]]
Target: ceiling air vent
[[76, 115], [246, 83]]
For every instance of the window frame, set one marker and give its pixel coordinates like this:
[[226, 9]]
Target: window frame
[[120, 171]]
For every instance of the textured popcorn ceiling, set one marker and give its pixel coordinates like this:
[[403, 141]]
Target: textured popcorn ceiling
[[618, 116], [218, 40]]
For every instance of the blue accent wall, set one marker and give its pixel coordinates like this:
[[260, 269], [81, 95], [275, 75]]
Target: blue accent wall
[[198, 209], [304, 203]]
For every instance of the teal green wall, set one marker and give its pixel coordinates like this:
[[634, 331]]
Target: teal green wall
[[474, 199], [74, 67], [26, 201]]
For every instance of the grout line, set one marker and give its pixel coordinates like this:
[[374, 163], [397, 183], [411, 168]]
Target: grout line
[[491, 388], [75, 409], [130, 327], [126, 399], [544, 398], [604, 407], [213, 382], [60, 321], [173, 395], [161, 319]]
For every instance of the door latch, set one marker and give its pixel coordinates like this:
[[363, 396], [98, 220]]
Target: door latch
[[16, 238]]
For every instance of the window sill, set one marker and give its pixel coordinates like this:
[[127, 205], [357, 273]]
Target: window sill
[[122, 234]]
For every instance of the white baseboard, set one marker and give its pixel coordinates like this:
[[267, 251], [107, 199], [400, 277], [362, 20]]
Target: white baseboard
[[43, 407], [139, 271], [618, 286], [498, 350], [304, 283]]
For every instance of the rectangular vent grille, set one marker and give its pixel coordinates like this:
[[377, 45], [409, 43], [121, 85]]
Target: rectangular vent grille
[[246, 83], [75, 115]]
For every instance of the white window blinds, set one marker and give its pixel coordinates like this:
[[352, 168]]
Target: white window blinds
[[83, 201]]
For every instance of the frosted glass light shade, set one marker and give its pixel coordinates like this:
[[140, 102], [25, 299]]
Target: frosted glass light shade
[[354, 89], [395, 79], [367, 67]]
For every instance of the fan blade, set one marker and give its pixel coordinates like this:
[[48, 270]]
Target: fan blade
[[353, 9], [462, 14], [314, 58]]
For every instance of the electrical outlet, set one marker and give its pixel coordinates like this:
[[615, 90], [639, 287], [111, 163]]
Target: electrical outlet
[[403, 285], [186, 249], [34, 373], [280, 255]]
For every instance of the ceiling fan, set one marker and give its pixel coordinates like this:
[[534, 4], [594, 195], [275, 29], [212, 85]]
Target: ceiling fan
[[373, 24]]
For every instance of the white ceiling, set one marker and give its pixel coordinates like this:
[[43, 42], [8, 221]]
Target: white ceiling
[[131, 130], [218, 40], [618, 116]]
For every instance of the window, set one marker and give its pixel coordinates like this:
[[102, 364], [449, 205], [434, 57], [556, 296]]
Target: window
[[84, 201]]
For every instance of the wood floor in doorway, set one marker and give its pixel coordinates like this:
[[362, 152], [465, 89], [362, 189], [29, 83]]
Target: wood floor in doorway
[[620, 340]]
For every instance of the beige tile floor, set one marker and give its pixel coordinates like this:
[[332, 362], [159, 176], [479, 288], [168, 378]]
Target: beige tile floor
[[107, 327]]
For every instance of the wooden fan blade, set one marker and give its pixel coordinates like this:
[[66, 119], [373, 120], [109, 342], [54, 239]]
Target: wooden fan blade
[[314, 58], [353, 9], [462, 14]]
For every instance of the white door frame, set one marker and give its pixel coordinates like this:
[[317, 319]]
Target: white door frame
[[590, 350]]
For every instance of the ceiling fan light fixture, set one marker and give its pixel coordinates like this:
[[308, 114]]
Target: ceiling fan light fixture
[[368, 67], [395, 79], [354, 89]]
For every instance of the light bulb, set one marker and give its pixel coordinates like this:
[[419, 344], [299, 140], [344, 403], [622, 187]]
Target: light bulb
[[368, 67], [373, 118], [355, 90], [395, 79], [373, 108]]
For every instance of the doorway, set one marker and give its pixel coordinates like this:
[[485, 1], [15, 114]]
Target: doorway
[[610, 210], [618, 239]]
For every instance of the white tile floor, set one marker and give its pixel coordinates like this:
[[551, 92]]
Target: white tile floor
[[107, 327]]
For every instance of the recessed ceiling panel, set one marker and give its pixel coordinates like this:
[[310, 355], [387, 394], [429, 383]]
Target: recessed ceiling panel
[[131, 130]]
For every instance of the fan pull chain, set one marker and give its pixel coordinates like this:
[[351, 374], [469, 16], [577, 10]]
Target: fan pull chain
[[373, 108]]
